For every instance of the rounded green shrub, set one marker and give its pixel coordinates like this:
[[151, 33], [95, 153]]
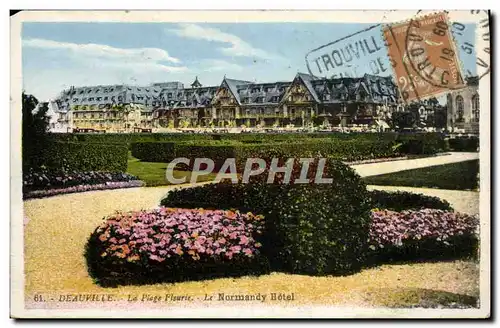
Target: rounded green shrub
[[314, 229]]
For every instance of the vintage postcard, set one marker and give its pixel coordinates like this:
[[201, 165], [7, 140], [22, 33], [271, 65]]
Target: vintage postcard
[[250, 164]]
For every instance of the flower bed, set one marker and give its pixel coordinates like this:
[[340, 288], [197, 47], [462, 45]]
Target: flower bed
[[170, 244], [422, 234], [46, 183], [82, 188]]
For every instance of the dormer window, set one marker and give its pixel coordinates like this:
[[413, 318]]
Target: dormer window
[[91, 99], [99, 98], [81, 92], [89, 91]]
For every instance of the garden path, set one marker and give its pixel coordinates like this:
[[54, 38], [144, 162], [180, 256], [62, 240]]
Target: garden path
[[366, 170]]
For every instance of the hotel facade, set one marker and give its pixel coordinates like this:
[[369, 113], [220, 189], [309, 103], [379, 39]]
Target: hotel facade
[[304, 101]]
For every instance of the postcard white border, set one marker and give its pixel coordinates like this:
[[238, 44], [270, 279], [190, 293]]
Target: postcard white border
[[344, 16]]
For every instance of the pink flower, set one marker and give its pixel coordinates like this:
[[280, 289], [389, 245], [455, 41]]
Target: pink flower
[[243, 240], [235, 249]]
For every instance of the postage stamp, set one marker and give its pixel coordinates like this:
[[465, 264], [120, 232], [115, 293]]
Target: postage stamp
[[249, 164], [424, 57]]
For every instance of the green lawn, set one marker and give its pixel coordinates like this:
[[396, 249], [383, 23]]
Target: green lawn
[[153, 174], [455, 176]]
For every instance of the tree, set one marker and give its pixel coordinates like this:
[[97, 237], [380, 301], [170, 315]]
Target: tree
[[34, 130], [401, 120]]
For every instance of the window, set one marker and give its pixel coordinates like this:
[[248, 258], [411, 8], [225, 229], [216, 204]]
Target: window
[[92, 115], [91, 99], [475, 108], [75, 99], [105, 90], [99, 98], [111, 90], [460, 108], [89, 91], [81, 92], [106, 98]]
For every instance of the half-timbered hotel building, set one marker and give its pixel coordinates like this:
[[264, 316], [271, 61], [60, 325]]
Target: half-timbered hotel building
[[234, 103]]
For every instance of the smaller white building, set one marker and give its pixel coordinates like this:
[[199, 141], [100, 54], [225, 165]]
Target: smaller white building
[[60, 120]]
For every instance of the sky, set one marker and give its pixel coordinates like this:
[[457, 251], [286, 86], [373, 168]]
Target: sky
[[56, 56]]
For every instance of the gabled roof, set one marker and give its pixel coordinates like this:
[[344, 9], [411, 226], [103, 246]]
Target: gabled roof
[[308, 79], [233, 87]]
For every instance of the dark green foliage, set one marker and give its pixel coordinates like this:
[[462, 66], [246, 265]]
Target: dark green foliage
[[128, 138], [312, 229], [422, 144], [403, 120], [82, 156], [34, 130], [464, 144], [219, 151], [402, 200], [153, 151], [458, 247]]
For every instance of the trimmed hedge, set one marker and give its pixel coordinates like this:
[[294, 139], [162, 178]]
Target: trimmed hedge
[[153, 151], [314, 229], [464, 144], [127, 138], [80, 156], [170, 245], [219, 151], [402, 200], [428, 142]]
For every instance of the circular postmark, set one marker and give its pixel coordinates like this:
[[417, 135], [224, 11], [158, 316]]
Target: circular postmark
[[433, 54], [479, 53]]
